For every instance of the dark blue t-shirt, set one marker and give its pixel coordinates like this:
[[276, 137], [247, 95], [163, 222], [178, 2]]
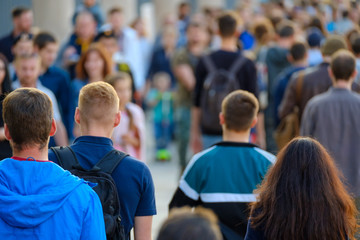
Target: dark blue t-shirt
[[132, 178], [58, 81]]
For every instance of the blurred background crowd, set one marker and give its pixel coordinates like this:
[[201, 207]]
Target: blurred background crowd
[[149, 51]]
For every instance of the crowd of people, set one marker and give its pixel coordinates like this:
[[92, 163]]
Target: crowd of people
[[262, 103]]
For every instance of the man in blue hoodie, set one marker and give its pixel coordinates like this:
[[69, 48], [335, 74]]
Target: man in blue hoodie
[[38, 199]]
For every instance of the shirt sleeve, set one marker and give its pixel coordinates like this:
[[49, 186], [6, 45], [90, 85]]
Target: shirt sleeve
[[194, 177], [251, 78], [146, 206], [57, 115], [200, 75], [289, 101], [93, 224], [308, 121], [179, 58], [180, 199]]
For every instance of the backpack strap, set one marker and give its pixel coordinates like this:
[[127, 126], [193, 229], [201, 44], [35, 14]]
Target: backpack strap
[[299, 86], [110, 161], [66, 157], [209, 64], [240, 61]]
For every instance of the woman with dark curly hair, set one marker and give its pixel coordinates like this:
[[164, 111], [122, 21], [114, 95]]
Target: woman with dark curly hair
[[303, 198]]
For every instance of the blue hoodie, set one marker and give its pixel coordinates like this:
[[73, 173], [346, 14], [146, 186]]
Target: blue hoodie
[[39, 200]]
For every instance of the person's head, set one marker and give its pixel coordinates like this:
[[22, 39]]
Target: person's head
[[303, 197], [285, 30], [162, 81], [47, 47], [298, 52], [122, 84], [197, 32], [89, 3], [85, 26], [22, 18], [186, 224], [228, 25], [350, 35], [263, 30], [108, 40], [23, 44], [169, 37], [343, 66], [332, 44], [98, 107], [355, 45], [139, 27], [27, 69], [239, 111], [116, 18], [184, 10], [314, 37], [316, 22], [28, 119], [5, 81], [94, 63]]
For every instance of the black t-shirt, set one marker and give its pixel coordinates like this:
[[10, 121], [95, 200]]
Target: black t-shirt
[[224, 60]]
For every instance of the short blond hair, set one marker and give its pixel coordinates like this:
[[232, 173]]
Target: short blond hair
[[98, 102], [239, 109]]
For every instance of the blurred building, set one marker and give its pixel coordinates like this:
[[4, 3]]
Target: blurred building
[[55, 16]]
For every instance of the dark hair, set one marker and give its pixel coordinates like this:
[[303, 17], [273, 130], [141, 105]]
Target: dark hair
[[18, 11], [239, 109], [184, 4], [42, 39], [28, 113], [6, 84], [263, 30], [316, 22], [185, 224], [227, 25], [343, 64], [298, 51], [23, 37], [355, 44], [303, 197], [115, 10], [285, 29], [95, 47]]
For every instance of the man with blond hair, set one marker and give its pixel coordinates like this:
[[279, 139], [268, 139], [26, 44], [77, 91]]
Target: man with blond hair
[[38, 199], [97, 115], [224, 176]]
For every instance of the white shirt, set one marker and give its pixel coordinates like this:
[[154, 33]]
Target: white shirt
[[39, 86]]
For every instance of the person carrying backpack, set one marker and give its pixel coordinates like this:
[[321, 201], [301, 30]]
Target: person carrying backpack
[[218, 74], [124, 184]]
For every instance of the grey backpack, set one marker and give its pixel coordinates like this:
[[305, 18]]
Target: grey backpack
[[218, 84]]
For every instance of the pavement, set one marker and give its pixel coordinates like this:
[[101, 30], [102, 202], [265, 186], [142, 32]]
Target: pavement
[[165, 176]]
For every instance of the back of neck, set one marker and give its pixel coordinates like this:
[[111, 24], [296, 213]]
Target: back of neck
[[233, 136], [229, 44]]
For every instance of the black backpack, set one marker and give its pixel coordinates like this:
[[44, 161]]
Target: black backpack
[[105, 188], [217, 85]]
